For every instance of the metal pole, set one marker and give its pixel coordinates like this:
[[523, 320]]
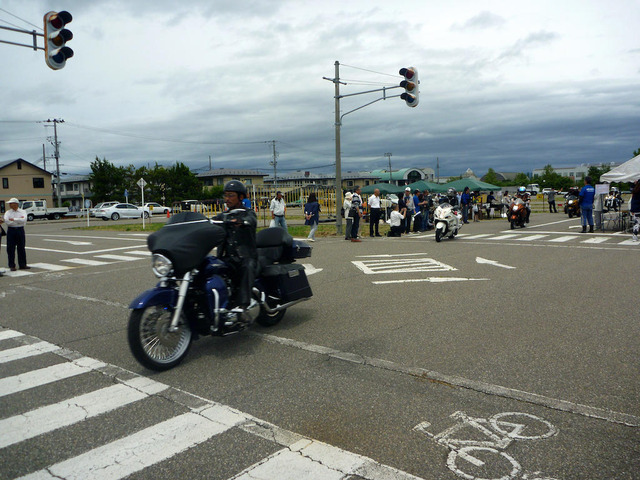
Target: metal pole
[[57, 154], [336, 82], [389, 156], [44, 159]]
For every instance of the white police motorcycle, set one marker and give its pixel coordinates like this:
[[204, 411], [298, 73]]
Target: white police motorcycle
[[447, 220]]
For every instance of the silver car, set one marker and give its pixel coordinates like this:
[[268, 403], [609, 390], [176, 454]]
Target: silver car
[[120, 210]]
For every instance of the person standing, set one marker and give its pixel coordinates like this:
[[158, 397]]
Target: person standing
[[551, 198], [278, 208], [417, 211], [586, 197], [16, 219], [374, 210], [395, 220], [346, 206], [634, 209], [465, 202], [312, 215], [407, 202], [2, 234], [425, 209], [356, 212]]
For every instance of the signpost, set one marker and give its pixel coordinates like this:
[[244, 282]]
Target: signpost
[[142, 184]]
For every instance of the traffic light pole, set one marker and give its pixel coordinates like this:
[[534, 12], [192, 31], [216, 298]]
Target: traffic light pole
[[19, 30], [338, 123]]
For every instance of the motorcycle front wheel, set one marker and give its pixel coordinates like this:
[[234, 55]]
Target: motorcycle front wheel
[[513, 224], [438, 234], [151, 342]]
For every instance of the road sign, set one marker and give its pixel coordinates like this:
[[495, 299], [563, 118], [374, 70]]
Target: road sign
[[142, 183]]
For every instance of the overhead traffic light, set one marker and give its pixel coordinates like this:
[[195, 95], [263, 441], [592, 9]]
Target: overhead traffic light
[[55, 38], [411, 86]]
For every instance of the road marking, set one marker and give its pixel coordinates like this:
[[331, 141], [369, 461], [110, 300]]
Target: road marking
[[564, 238], [49, 266], [67, 412], [492, 262], [628, 242], [596, 240], [131, 454], [480, 235], [6, 334], [25, 351], [398, 265], [144, 253], [117, 257], [429, 279], [85, 261], [310, 269], [531, 238], [454, 380], [505, 237], [43, 376], [72, 242]]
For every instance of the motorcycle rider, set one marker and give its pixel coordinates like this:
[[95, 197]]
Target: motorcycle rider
[[239, 249], [524, 196], [451, 198]]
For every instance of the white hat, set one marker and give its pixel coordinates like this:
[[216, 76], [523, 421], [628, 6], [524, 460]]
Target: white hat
[[14, 200], [408, 189], [348, 195]]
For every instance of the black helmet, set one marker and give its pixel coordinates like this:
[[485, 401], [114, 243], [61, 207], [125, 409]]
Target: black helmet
[[235, 186]]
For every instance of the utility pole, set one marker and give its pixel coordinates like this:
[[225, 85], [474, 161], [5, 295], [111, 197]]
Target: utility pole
[[56, 155], [209, 162], [44, 159], [438, 168], [389, 156], [274, 162]]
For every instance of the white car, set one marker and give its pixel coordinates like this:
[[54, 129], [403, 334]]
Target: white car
[[99, 206], [120, 210], [155, 208]]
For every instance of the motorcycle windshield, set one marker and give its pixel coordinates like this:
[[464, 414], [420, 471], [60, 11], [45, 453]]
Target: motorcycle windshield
[[186, 240]]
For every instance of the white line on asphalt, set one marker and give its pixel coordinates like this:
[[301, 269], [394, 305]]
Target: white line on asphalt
[[117, 257], [144, 253], [555, 223], [505, 237], [564, 238], [493, 262], [531, 238], [25, 351], [480, 235], [6, 334], [74, 296], [49, 266], [478, 386], [596, 240], [389, 255], [131, 454], [628, 242], [85, 261], [429, 279]]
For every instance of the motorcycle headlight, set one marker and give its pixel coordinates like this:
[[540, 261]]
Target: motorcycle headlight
[[161, 265], [515, 209]]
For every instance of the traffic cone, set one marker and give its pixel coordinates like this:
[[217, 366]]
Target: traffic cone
[[168, 214]]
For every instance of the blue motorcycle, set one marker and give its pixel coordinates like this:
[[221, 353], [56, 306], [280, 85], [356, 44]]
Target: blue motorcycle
[[193, 296]]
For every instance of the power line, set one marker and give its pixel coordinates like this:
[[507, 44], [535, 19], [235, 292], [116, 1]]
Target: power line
[[21, 19], [367, 70]]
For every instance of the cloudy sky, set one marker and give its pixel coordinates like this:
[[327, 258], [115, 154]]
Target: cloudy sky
[[511, 85]]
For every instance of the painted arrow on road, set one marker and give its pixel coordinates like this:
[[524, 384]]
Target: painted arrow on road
[[492, 262], [72, 242]]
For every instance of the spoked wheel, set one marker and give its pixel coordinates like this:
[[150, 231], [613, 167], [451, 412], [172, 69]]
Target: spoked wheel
[[267, 319], [438, 234], [151, 342]]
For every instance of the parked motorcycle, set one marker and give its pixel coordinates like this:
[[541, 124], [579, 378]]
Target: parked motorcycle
[[572, 207], [447, 220], [192, 298], [518, 213]]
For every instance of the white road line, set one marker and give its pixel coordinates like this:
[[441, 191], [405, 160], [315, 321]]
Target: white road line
[[53, 417], [6, 334], [371, 267], [480, 235], [564, 238], [131, 454], [504, 237], [429, 279], [628, 242], [118, 257], [478, 386], [49, 266], [25, 351], [43, 376], [85, 261], [596, 240], [144, 253], [531, 238]]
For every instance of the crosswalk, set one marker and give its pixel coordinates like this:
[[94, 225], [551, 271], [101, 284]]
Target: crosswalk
[[554, 238], [74, 262], [104, 444]]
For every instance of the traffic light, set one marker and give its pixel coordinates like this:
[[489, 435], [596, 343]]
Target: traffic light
[[55, 38], [411, 86]]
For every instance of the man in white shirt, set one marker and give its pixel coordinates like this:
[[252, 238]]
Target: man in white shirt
[[395, 220], [278, 208], [374, 213], [15, 219]]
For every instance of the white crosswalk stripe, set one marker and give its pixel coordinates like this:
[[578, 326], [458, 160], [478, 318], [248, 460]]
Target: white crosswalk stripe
[[292, 456], [85, 261]]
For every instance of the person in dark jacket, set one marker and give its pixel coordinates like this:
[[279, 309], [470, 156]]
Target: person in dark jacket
[[634, 209], [239, 249], [465, 202], [312, 215]]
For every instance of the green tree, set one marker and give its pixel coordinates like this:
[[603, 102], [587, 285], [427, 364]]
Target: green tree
[[491, 177], [107, 180], [521, 179], [595, 172]]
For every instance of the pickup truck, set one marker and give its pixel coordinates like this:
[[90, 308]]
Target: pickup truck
[[38, 209]]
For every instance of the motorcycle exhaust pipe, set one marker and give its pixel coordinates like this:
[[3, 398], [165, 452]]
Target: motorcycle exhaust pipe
[[266, 306]]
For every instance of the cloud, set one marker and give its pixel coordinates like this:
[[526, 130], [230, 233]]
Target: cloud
[[483, 21]]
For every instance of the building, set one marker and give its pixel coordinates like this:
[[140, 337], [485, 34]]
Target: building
[[220, 176], [75, 188], [404, 176], [25, 181], [305, 179], [577, 173]]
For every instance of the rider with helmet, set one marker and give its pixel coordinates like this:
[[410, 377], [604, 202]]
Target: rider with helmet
[[451, 198], [239, 249], [524, 196]]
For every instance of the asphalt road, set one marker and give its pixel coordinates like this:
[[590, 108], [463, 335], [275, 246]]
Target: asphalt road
[[500, 354]]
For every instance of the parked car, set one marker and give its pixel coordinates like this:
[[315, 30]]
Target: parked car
[[155, 208], [92, 211], [120, 210]]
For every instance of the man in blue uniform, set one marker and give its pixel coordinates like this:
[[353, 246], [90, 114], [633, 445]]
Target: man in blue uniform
[[586, 197]]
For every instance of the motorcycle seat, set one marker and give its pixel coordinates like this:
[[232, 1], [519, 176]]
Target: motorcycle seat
[[272, 244]]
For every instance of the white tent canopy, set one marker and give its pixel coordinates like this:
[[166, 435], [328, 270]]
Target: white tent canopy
[[627, 172]]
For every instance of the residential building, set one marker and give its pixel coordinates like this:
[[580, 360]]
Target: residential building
[[403, 176], [73, 189], [304, 179], [220, 176], [576, 173], [25, 181]]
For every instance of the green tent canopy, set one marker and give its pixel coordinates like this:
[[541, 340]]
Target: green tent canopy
[[423, 185], [385, 188], [473, 185]]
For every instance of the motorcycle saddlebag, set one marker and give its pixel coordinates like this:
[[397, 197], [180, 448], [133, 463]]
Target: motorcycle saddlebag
[[286, 281], [299, 249]]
